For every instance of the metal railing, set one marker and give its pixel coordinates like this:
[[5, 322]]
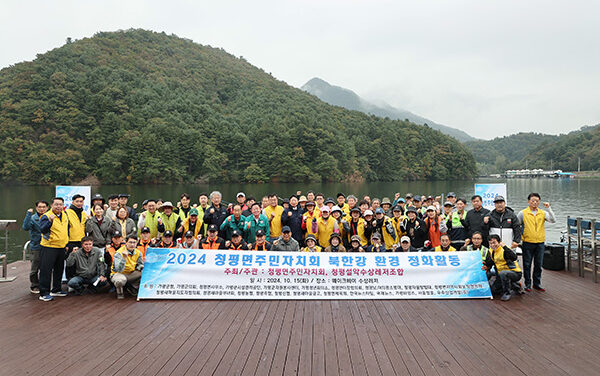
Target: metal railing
[[584, 235]]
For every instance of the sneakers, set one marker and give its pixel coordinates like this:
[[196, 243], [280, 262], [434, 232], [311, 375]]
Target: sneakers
[[528, 289], [505, 297], [539, 288], [120, 293], [46, 298], [34, 290], [59, 293]]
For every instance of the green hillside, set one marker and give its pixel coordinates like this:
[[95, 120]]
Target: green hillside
[[144, 107]]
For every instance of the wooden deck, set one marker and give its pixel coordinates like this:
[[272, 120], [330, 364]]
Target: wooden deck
[[551, 333]]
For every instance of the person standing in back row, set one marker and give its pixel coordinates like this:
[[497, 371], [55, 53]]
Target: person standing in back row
[[534, 237], [54, 226]]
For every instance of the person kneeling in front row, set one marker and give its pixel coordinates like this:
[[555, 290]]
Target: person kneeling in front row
[[507, 270], [88, 263], [127, 267]]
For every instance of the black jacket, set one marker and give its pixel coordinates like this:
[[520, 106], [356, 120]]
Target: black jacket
[[417, 232], [216, 218], [294, 221], [474, 222], [503, 223]]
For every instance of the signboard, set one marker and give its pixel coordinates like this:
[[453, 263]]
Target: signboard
[[229, 274], [489, 191], [67, 192]]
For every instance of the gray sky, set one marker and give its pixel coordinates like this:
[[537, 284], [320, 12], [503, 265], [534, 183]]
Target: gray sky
[[490, 68]]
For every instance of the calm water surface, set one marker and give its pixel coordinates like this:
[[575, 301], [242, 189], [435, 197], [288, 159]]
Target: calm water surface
[[568, 197]]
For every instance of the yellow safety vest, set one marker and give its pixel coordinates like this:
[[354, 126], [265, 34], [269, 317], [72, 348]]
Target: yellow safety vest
[[59, 232], [76, 227], [534, 230]]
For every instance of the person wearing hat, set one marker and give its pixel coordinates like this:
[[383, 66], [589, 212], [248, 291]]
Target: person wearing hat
[[311, 245], [335, 244], [216, 213], [193, 224], [308, 216], [236, 243], [123, 199], [446, 213], [457, 224], [385, 227], [355, 241], [241, 200], [435, 226], [330, 202], [285, 243], [183, 206], [212, 239], [235, 222], [169, 220], [145, 241], [503, 222], [273, 212], [451, 196], [415, 228], [113, 205], [97, 199], [261, 243], [116, 242], [257, 221], [369, 224], [376, 244], [77, 218], [354, 227], [149, 218], [399, 220], [292, 217], [386, 205], [324, 226], [167, 240], [405, 245], [188, 241], [302, 203], [126, 268]]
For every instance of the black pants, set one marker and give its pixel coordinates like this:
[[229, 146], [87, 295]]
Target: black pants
[[35, 269], [70, 270], [52, 263]]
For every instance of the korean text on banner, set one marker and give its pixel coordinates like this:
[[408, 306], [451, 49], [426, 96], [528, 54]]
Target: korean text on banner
[[212, 274], [489, 191], [67, 192]]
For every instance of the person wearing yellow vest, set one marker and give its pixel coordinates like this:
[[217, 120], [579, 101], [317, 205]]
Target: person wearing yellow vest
[[398, 220], [127, 266], [507, 270], [77, 218], [193, 224], [311, 245], [54, 226], [354, 227], [169, 220], [308, 216], [533, 220], [273, 213], [324, 226], [445, 244], [386, 228], [475, 244], [149, 218]]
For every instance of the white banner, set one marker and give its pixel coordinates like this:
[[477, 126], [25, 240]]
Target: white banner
[[489, 191], [221, 274], [67, 192]]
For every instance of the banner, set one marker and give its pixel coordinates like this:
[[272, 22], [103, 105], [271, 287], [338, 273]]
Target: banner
[[67, 192], [228, 274], [489, 191]]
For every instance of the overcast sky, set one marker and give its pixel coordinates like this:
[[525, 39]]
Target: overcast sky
[[490, 68]]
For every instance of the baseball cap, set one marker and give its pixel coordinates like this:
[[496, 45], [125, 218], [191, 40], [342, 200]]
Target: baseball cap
[[379, 211], [145, 229], [411, 209], [189, 234], [404, 239], [302, 199], [286, 229], [167, 233], [325, 208], [340, 194], [235, 233], [310, 237], [448, 203], [451, 194], [193, 211], [213, 227], [260, 233], [368, 212], [336, 208], [376, 236], [499, 198], [355, 238], [240, 194], [117, 234], [431, 207]]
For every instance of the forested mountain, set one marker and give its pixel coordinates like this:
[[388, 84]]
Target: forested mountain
[[538, 150], [145, 107], [339, 96]]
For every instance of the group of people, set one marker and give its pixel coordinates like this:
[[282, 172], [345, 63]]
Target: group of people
[[106, 249]]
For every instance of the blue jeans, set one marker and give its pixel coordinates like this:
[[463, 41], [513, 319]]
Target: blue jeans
[[77, 283], [533, 252]]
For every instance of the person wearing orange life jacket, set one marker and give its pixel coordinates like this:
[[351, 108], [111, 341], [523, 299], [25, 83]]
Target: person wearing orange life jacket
[[145, 241], [112, 248], [212, 239], [533, 220], [261, 243], [192, 223], [435, 226], [236, 243], [167, 240]]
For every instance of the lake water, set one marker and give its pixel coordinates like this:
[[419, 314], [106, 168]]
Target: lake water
[[568, 197]]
